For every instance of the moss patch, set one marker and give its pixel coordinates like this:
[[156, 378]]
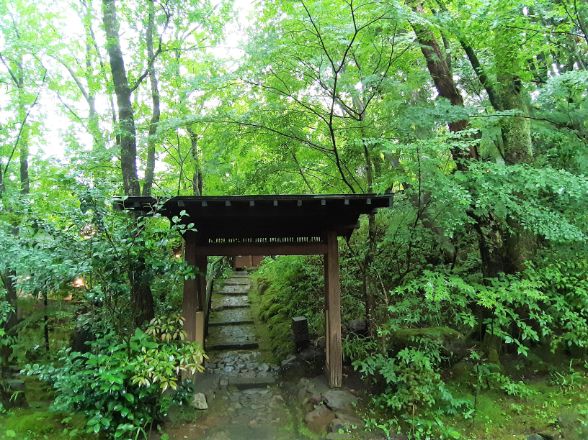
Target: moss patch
[[41, 424], [550, 409]]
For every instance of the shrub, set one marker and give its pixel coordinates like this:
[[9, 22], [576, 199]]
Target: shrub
[[121, 386], [414, 393]]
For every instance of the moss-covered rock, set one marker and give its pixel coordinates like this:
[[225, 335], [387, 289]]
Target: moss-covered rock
[[573, 425]]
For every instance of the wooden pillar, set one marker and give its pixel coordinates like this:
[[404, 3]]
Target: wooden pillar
[[334, 351], [193, 304], [202, 266]]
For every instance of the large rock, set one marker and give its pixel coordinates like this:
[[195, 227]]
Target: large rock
[[339, 400], [345, 423], [357, 326], [319, 419], [573, 425], [199, 401]]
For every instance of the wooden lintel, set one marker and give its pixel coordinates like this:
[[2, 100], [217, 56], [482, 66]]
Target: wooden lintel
[[233, 250]]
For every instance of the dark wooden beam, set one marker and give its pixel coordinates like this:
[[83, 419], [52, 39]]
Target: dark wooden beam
[[234, 250]]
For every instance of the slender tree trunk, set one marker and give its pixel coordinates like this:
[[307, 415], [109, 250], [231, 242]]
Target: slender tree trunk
[[93, 117], [197, 180], [46, 320], [141, 296], [126, 120], [8, 278], [155, 111], [368, 291], [1, 179], [23, 144], [369, 298]]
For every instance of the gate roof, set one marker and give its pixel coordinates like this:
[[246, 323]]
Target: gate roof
[[220, 218]]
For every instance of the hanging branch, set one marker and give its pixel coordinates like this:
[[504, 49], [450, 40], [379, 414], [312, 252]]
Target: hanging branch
[[17, 83]]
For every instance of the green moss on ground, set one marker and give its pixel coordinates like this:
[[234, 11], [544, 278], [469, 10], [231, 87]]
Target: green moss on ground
[[551, 407], [38, 421], [40, 424], [268, 336]]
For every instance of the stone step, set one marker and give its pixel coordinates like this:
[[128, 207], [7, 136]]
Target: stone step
[[248, 358], [227, 336], [240, 274], [220, 302], [228, 316], [220, 346], [242, 381], [237, 281], [221, 323], [233, 289]]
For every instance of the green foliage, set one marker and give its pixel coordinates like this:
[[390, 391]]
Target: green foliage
[[414, 393], [358, 347], [5, 310], [120, 385], [320, 96], [544, 201], [289, 287], [521, 310], [566, 284]]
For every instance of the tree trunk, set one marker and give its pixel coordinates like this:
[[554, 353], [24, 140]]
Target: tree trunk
[[1, 179], [8, 278], [93, 118], [141, 296], [155, 111], [516, 134], [516, 130], [368, 292], [126, 120], [197, 176], [442, 77], [23, 143]]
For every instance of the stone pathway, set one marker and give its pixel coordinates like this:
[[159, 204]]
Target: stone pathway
[[243, 400], [232, 344], [240, 391], [258, 413]]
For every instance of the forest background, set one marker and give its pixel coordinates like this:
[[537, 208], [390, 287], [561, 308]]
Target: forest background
[[472, 113]]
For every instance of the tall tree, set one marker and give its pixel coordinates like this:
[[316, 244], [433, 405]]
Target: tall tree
[[26, 78], [141, 296], [126, 118], [155, 107]]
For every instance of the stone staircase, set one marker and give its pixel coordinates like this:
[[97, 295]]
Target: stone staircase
[[232, 344]]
